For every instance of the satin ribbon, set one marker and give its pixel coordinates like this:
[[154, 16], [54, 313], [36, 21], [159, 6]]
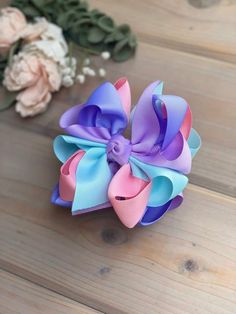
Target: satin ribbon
[[142, 177]]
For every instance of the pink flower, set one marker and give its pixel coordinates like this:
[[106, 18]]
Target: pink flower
[[12, 23], [37, 76]]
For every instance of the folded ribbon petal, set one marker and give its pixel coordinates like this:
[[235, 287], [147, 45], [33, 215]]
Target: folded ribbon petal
[[153, 214], [93, 176], [166, 183], [69, 122], [123, 89], [67, 181], [145, 123], [176, 156], [104, 109], [56, 199], [65, 146], [187, 124], [194, 142], [176, 108], [106, 113], [128, 196]]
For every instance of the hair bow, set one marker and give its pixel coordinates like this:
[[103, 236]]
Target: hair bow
[[142, 177]]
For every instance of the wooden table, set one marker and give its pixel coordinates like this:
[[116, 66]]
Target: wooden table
[[52, 262]]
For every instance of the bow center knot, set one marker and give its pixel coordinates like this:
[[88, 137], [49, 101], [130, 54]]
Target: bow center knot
[[118, 149]]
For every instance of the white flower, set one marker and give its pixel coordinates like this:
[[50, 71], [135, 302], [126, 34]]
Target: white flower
[[66, 71], [80, 78], [88, 71], [73, 62], [67, 81], [86, 61], [105, 55], [85, 70], [51, 43], [54, 33], [91, 72], [102, 72]]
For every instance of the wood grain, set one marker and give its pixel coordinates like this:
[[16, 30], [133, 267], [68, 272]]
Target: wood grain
[[21, 296], [186, 263], [203, 27], [208, 86]]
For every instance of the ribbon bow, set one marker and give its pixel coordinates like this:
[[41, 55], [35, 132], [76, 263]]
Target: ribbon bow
[[142, 178]]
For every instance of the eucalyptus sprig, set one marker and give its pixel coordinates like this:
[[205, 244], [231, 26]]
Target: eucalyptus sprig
[[91, 29]]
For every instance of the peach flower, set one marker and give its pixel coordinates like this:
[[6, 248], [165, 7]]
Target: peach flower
[[12, 23], [37, 76], [33, 31]]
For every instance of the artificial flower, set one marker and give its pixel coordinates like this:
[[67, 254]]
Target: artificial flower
[[12, 23], [37, 76], [33, 31]]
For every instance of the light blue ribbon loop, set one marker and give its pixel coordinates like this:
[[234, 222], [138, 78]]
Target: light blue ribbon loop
[[194, 142], [64, 146], [93, 176], [166, 183]]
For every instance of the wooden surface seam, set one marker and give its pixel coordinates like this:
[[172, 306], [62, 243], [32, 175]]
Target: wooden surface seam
[[18, 295]]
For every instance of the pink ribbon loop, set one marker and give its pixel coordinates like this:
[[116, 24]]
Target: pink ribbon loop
[[67, 181], [128, 196]]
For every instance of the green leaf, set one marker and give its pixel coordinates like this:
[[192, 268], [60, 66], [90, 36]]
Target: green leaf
[[41, 3], [96, 35], [7, 99], [30, 11], [124, 29], [132, 41], [83, 39], [106, 23], [122, 51], [91, 29], [96, 15], [13, 50], [115, 36]]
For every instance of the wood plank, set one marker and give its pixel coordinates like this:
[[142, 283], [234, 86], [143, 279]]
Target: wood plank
[[21, 296], [186, 263], [204, 27], [208, 86]]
